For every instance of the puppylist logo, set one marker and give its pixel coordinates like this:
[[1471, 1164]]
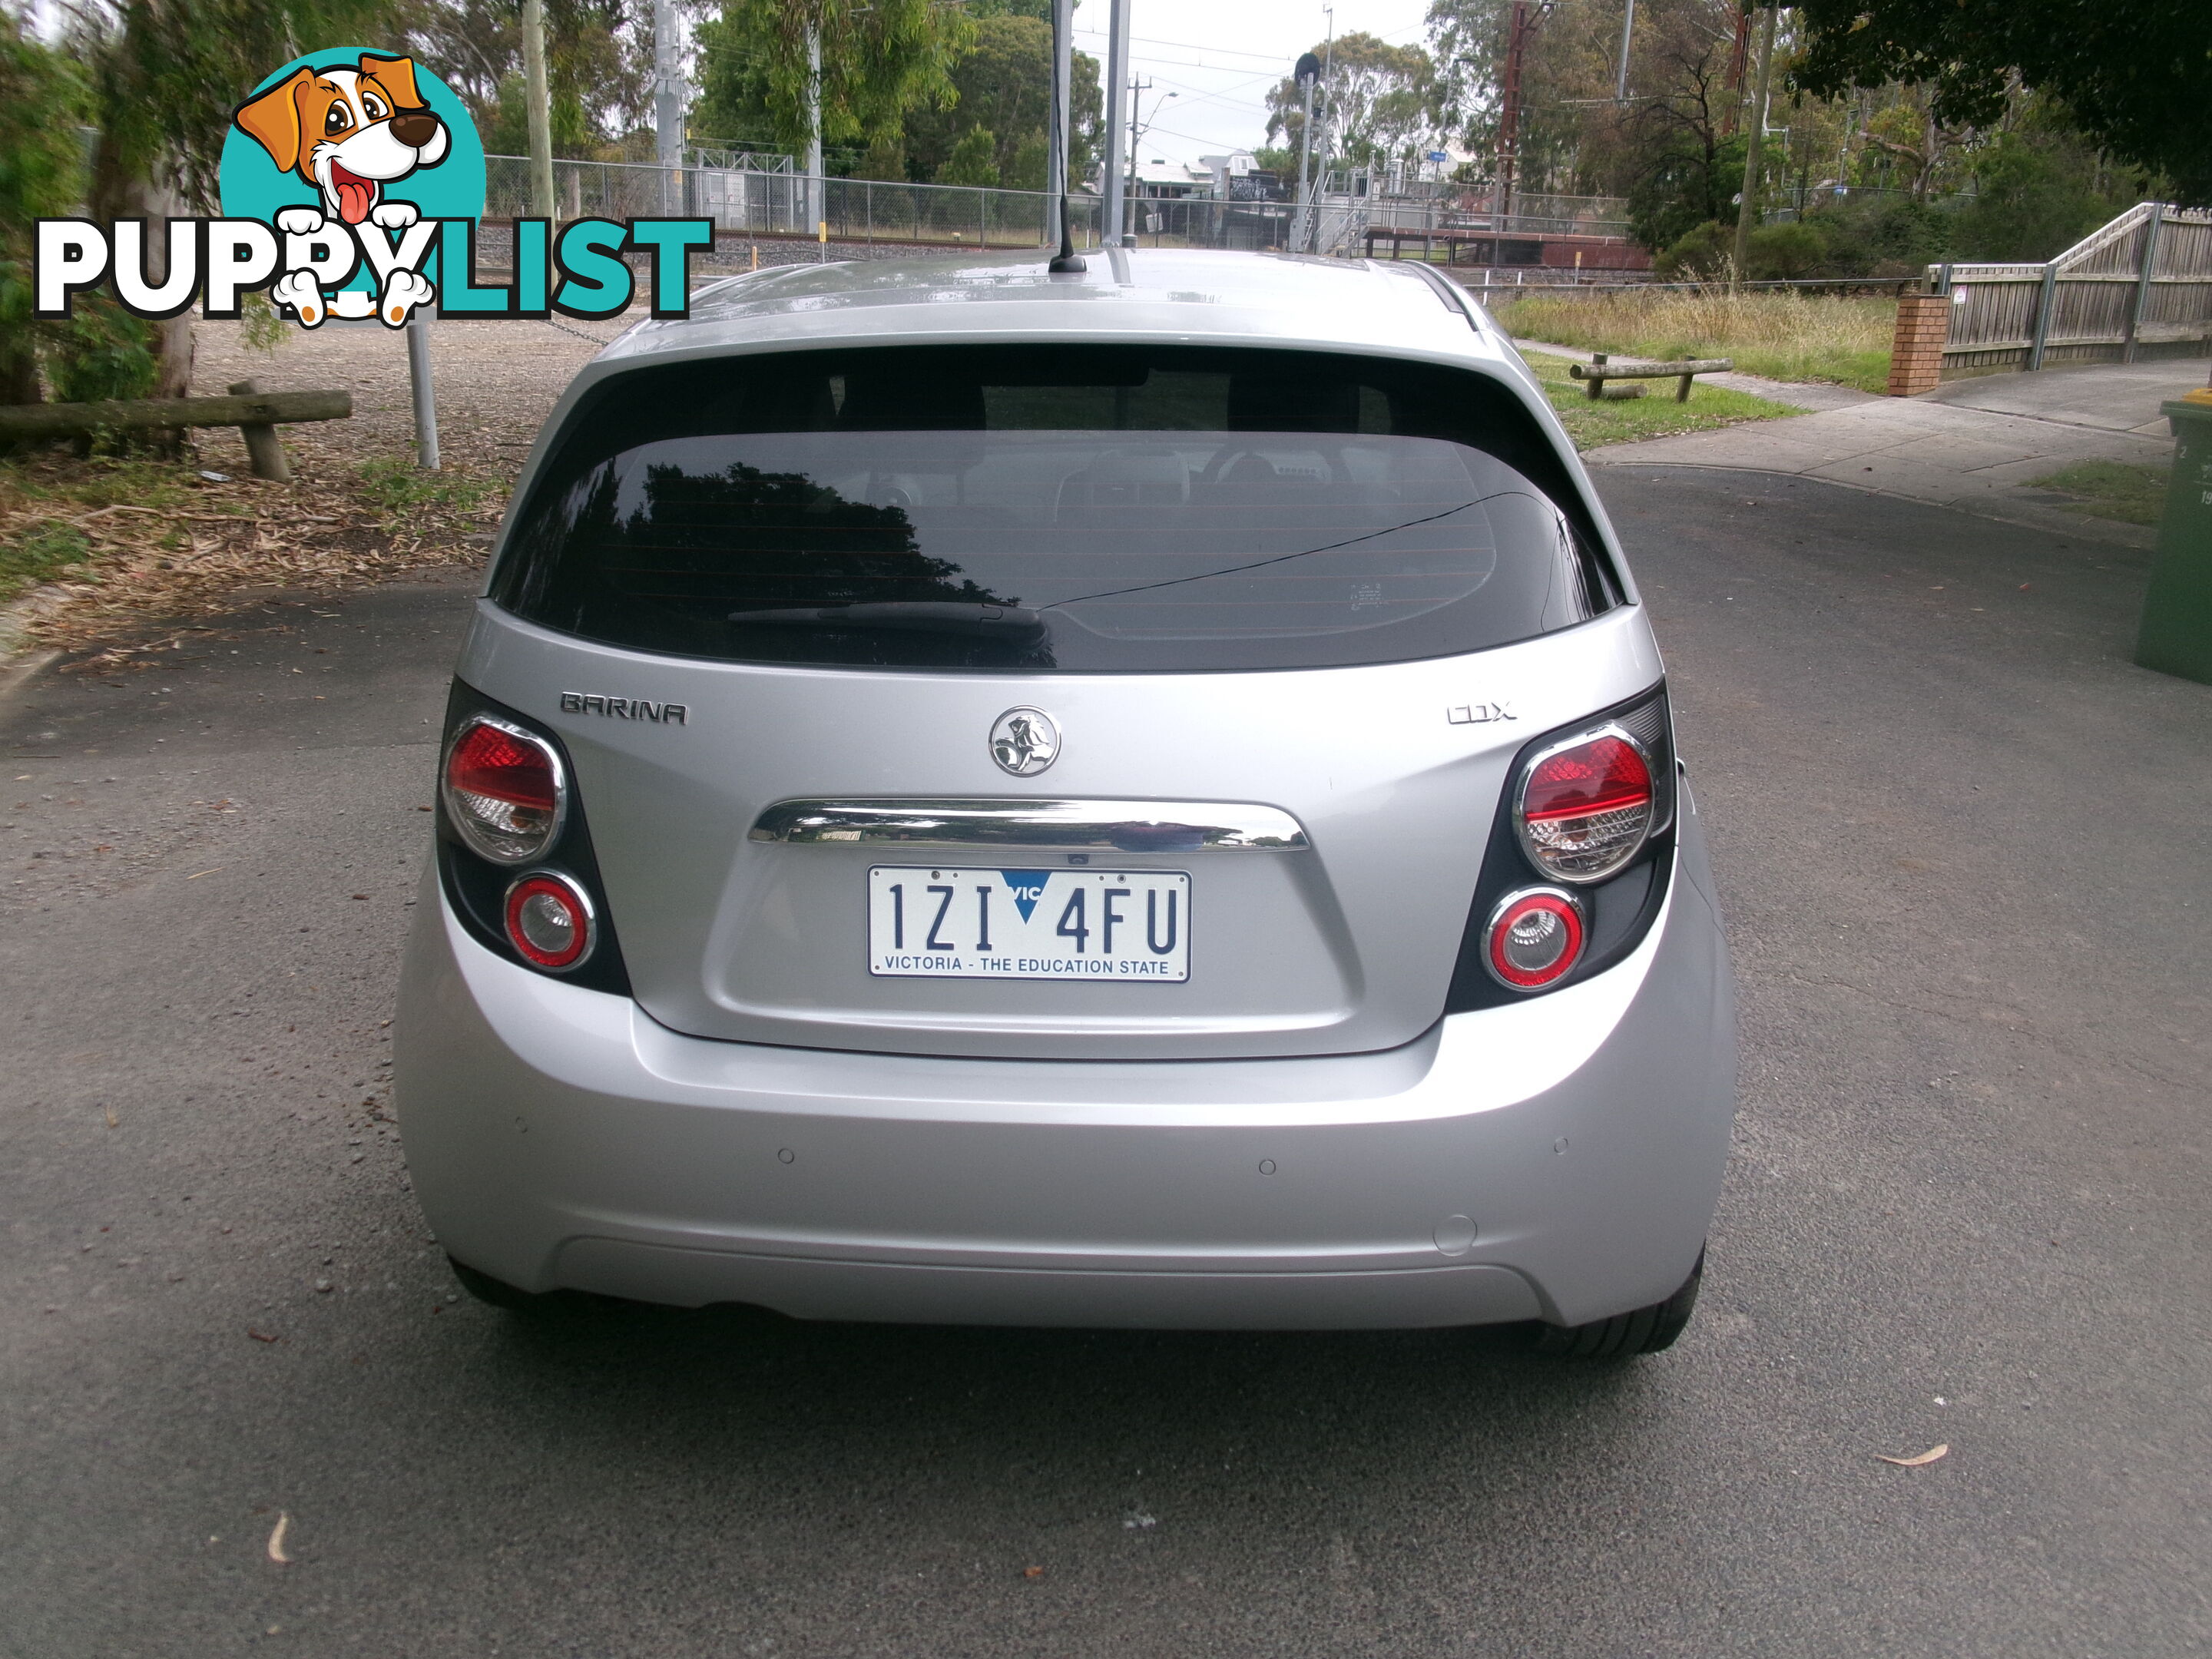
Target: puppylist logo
[[353, 186]]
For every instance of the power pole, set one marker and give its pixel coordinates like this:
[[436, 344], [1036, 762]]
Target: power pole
[[1117, 81], [1138, 88], [1527, 17], [1747, 212], [541, 108], [1738, 57], [1620, 81], [668, 104]]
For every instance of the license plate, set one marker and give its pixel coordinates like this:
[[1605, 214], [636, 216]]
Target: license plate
[[1076, 924]]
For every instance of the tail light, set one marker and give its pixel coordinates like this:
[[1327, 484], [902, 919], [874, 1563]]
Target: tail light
[[505, 791], [1584, 806], [1535, 938], [549, 920]]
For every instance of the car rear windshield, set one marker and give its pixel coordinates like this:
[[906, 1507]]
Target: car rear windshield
[[1086, 509]]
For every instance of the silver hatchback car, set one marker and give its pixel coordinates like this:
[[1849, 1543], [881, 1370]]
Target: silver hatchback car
[[1143, 798]]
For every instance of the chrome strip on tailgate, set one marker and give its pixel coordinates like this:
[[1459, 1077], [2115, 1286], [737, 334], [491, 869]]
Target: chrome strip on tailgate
[[1126, 826]]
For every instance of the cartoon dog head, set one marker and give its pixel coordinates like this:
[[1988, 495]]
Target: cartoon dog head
[[349, 132]]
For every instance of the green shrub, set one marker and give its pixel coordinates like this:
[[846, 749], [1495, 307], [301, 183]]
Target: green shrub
[[1705, 251], [1681, 189], [974, 161], [101, 351], [1786, 252], [1882, 235], [43, 101], [2037, 197], [1857, 236]]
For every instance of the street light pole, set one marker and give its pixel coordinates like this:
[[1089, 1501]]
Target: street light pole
[[1328, 102], [1307, 76], [667, 104], [1747, 212], [816, 206], [538, 99], [1117, 82]]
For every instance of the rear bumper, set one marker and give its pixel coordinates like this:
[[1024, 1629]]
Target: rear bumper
[[1556, 1159]]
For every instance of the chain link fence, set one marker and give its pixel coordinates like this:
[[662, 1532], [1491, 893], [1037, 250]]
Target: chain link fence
[[769, 198]]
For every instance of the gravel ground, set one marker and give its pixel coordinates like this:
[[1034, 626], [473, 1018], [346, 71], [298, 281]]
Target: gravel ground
[[495, 382]]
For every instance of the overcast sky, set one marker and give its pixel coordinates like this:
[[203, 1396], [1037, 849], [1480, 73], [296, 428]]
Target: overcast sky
[[1219, 58]]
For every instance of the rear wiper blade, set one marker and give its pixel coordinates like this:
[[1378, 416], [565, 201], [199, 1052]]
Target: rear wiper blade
[[994, 621]]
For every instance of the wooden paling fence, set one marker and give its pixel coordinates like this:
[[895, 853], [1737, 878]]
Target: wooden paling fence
[[2140, 288]]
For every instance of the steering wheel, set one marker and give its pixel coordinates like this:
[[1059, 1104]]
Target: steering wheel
[[1218, 468]]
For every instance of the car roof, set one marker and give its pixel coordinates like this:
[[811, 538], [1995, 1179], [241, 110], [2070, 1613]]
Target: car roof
[[1191, 296]]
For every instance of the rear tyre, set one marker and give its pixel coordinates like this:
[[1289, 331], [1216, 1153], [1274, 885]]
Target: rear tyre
[[1647, 1330], [496, 1292]]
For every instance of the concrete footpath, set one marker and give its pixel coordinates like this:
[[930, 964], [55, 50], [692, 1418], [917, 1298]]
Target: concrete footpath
[[1975, 444]]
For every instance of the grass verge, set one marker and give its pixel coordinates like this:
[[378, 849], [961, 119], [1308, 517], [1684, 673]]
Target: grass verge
[[1780, 336], [2112, 490], [1654, 415]]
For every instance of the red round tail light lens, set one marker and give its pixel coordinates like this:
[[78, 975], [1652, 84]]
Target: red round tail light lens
[[548, 920], [1535, 938], [504, 791], [1586, 806]]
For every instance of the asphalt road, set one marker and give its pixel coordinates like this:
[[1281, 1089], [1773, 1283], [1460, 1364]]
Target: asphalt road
[[1965, 845]]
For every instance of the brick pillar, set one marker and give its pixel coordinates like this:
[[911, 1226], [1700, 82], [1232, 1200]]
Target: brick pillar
[[1915, 357]]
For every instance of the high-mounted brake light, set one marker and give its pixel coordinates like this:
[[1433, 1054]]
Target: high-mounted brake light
[[1535, 938], [505, 790], [548, 920], [1585, 805]]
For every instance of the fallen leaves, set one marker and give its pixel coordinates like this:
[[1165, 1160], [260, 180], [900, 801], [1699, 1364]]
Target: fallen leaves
[[259, 1336], [150, 563], [1921, 1462], [1032, 1572], [276, 1539]]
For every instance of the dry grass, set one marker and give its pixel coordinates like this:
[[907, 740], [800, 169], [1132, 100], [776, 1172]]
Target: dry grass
[[1781, 336]]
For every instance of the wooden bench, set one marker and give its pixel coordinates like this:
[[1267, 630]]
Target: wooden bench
[[1597, 373], [256, 414]]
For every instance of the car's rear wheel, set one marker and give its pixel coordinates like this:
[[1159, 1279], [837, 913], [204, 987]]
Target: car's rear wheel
[[1647, 1330]]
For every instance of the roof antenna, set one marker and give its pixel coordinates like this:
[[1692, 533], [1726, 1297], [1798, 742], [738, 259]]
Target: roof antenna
[[1067, 262]]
